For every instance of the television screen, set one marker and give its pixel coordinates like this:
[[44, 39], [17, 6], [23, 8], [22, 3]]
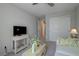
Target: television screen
[[19, 30]]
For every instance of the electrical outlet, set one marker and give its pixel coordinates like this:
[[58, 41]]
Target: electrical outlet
[[5, 47]]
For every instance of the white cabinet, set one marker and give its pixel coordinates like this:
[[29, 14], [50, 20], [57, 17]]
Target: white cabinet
[[20, 42]]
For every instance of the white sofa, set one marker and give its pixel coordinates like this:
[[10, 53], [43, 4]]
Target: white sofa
[[68, 47]]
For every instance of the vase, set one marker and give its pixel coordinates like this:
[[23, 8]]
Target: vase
[[34, 46]]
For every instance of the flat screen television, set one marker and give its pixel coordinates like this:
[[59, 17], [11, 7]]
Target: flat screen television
[[19, 30]]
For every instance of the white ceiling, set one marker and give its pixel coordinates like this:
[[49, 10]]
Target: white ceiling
[[42, 9]]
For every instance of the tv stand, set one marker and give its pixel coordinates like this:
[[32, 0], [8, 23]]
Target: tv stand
[[20, 42]]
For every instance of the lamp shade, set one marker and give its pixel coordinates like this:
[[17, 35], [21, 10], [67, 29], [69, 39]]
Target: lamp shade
[[74, 31]]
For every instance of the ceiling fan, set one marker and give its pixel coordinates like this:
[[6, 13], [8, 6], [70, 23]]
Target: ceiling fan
[[50, 4]]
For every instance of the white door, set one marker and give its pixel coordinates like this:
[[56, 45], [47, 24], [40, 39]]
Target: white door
[[59, 27]]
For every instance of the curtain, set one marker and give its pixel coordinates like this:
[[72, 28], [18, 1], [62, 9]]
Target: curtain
[[42, 29]]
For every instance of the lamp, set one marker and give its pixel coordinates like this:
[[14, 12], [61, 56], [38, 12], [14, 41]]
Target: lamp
[[74, 33]]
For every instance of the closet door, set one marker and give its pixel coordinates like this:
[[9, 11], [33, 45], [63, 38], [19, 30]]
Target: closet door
[[59, 27]]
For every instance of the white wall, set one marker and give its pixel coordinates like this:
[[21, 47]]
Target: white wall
[[10, 16], [77, 18], [70, 14]]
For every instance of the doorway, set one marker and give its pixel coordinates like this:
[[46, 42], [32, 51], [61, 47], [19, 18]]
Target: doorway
[[59, 27]]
